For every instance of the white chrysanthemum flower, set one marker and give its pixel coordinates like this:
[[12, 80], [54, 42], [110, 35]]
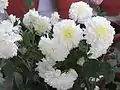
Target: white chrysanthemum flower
[[54, 18], [96, 88], [59, 80], [68, 33], [42, 25], [30, 18], [53, 49], [3, 5], [7, 40], [9, 32], [100, 34], [39, 23], [8, 49], [80, 11], [44, 66]]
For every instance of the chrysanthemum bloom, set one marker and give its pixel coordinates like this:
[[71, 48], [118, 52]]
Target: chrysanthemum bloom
[[44, 66], [55, 17], [3, 5], [80, 11], [53, 49], [68, 33], [50, 75], [100, 34], [39, 23], [42, 25], [8, 37], [9, 32], [59, 80], [8, 49], [30, 17]]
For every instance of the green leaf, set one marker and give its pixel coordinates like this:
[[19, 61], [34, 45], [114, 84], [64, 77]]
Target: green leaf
[[1, 87], [91, 68], [9, 69], [101, 14], [26, 38], [107, 71], [110, 77], [29, 3], [105, 68]]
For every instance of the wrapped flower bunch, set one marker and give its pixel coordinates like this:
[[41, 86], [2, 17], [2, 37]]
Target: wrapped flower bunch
[[44, 53]]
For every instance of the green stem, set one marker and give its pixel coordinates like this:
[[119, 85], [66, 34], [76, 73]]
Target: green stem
[[29, 68], [87, 84]]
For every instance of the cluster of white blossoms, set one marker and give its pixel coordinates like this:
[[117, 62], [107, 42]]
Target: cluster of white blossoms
[[54, 77], [41, 24], [9, 35], [98, 32], [66, 36], [3, 5]]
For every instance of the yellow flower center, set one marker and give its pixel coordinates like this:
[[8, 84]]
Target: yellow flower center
[[41, 26], [68, 33], [81, 9], [102, 31]]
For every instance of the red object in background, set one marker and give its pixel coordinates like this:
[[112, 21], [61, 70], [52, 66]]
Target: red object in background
[[118, 76], [111, 7], [102, 84], [18, 7], [117, 38], [63, 7], [111, 49]]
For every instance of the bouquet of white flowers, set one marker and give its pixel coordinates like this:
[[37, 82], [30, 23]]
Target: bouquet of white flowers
[[44, 53]]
